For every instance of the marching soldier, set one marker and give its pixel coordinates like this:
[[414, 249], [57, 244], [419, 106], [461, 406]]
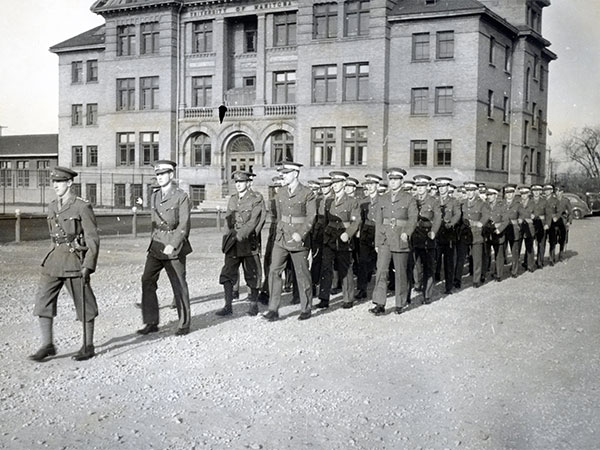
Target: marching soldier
[[244, 211], [446, 237], [70, 261], [464, 238], [395, 221], [528, 228], [498, 222], [423, 238], [296, 212], [366, 235], [342, 215], [540, 222], [514, 215], [476, 213], [553, 217], [317, 233], [168, 249], [565, 211]]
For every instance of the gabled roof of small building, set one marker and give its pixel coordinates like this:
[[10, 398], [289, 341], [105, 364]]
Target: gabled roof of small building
[[90, 38], [29, 145], [410, 7]]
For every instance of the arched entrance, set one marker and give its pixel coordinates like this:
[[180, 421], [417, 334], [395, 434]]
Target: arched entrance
[[241, 155]]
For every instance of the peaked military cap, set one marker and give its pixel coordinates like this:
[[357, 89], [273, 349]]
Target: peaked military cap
[[395, 173], [62, 174], [163, 166], [492, 191], [372, 178], [524, 189], [289, 166], [421, 180], [442, 181], [240, 175], [470, 185], [548, 187], [338, 175], [408, 185], [325, 181], [382, 187], [313, 184], [276, 181], [536, 187], [351, 181], [510, 187]]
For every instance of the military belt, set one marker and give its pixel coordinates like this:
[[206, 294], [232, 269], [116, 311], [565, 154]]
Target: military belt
[[293, 219], [394, 222], [338, 224], [61, 240]]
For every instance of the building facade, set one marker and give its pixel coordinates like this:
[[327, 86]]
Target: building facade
[[445, 88]]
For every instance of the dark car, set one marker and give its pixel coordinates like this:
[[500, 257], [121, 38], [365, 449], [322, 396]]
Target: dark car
[[580, 208], [593, 201]]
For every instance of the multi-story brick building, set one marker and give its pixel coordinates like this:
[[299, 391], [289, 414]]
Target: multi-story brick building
[[454, 88]]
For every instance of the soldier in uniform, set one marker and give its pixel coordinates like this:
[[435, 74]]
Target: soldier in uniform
[[342, 214], [528, 230], [168, 249], [475, 214], [553, 216], [540, 222], [423, 238], [514, 215], [498, 221], [71, 260], [464, 238], [296, 213], [565, 217], [244, 211], [366, 235], [395, 220], [317, 233], [446, 237]]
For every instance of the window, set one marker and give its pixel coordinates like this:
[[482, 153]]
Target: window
[[91, 193], [149, 148], [22, 173], [527, 81], [77, 156], [542, 78], [5, 173], [504, 157], [445, 45], [490, 105], [201, 91], [357, 18], [125, 40], [136, 191], [324, 83], [43, 172], [197, 194], [285, 29], [92, 70], [149, 93], [356, 81], [323, 146], [249, 82], [507, 58], [150, 35], [91, 114], [125, 149], [538, 162], [355, 146], [443, 153], [92, 155], [76, 115], [420, 47], [526, 132], [418, 153], [533, 109], [76, 189], [282, 147], [505, 109], [77, 72], [444, 101], [325, 20], [284, 87], [250, 38], [536, 65], [203, 37], [125, 94], [120, 195], [201, 150], [492, 51], [540, 125], [419, 99], [488, 156]]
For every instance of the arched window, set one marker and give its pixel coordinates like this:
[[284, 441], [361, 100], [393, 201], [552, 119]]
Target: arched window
[[201, 149], [241, 144], [282, 147]]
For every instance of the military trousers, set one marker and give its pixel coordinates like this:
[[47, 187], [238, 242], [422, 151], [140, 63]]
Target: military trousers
[[477, 256], [541, 248], [384, 256], [47, 297], [498, 257], [342, 259], [515, 252], [231, 269], [176, 272], [426, 256], [279, 259], [462, 248], [529, 257], [445, 257], [366, 265]]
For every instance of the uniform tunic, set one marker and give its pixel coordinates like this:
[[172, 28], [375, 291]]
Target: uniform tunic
[[446, 238], [366, 241], [429, 220], [499, 222], [476, 212], [515, 216]]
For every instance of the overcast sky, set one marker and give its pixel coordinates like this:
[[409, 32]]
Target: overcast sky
[[29, 72]]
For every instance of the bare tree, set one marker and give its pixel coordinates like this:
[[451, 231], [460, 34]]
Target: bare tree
[[583, 146]]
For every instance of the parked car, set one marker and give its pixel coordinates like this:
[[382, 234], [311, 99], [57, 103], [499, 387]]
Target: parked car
[[593, 201], [580, 208]]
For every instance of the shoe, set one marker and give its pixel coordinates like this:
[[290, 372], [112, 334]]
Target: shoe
[[253, 310], [322, 304], [457, 284], [86, 352], [399, 309], [263, 297], [426, 301], [360, 295], [336, 291], [305, 315], [43, 352], [448, 291], [236, 295], [377, 310], [271, 316], [149, 328], [476, 285], [182, 331], [226, 311], [513, 275], [347, 305]]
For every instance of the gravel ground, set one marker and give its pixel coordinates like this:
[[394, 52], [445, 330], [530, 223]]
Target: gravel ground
[[513, 365]]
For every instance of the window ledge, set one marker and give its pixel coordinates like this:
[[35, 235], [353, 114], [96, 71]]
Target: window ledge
[[420, 60]]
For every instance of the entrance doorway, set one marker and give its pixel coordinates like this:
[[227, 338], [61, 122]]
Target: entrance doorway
[[241, 156]]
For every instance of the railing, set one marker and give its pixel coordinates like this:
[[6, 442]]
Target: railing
[[239, 111], [280, 110], [286, 110], [198, 113]]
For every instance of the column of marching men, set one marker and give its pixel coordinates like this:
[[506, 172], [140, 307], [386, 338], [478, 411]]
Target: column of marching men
[[324, 236]]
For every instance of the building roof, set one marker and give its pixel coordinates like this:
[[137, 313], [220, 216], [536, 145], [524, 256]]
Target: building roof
[[102, 6], [90, 38], [29, 145], [416, 7]]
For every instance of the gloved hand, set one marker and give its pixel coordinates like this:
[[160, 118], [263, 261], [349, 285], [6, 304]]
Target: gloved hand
[[85, 274]]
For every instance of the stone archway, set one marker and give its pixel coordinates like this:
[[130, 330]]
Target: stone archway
[[241, 155]]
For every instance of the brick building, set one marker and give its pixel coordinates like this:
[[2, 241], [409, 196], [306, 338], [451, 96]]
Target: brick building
[[454, 88]]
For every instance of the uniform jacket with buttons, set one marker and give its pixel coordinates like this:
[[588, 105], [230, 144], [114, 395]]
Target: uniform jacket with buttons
[[552, 208], [390, 208], [368, 209], [170, 222], [75, 240], [528, 213], [476, 210], [499, 221], [429, 219], [296, 213], [450, 209], [342, 216], [515, 217], [565, 209], [244, 215], [541, 210]]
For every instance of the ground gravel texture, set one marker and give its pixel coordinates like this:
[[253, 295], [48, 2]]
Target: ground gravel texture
[[511, 365]]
